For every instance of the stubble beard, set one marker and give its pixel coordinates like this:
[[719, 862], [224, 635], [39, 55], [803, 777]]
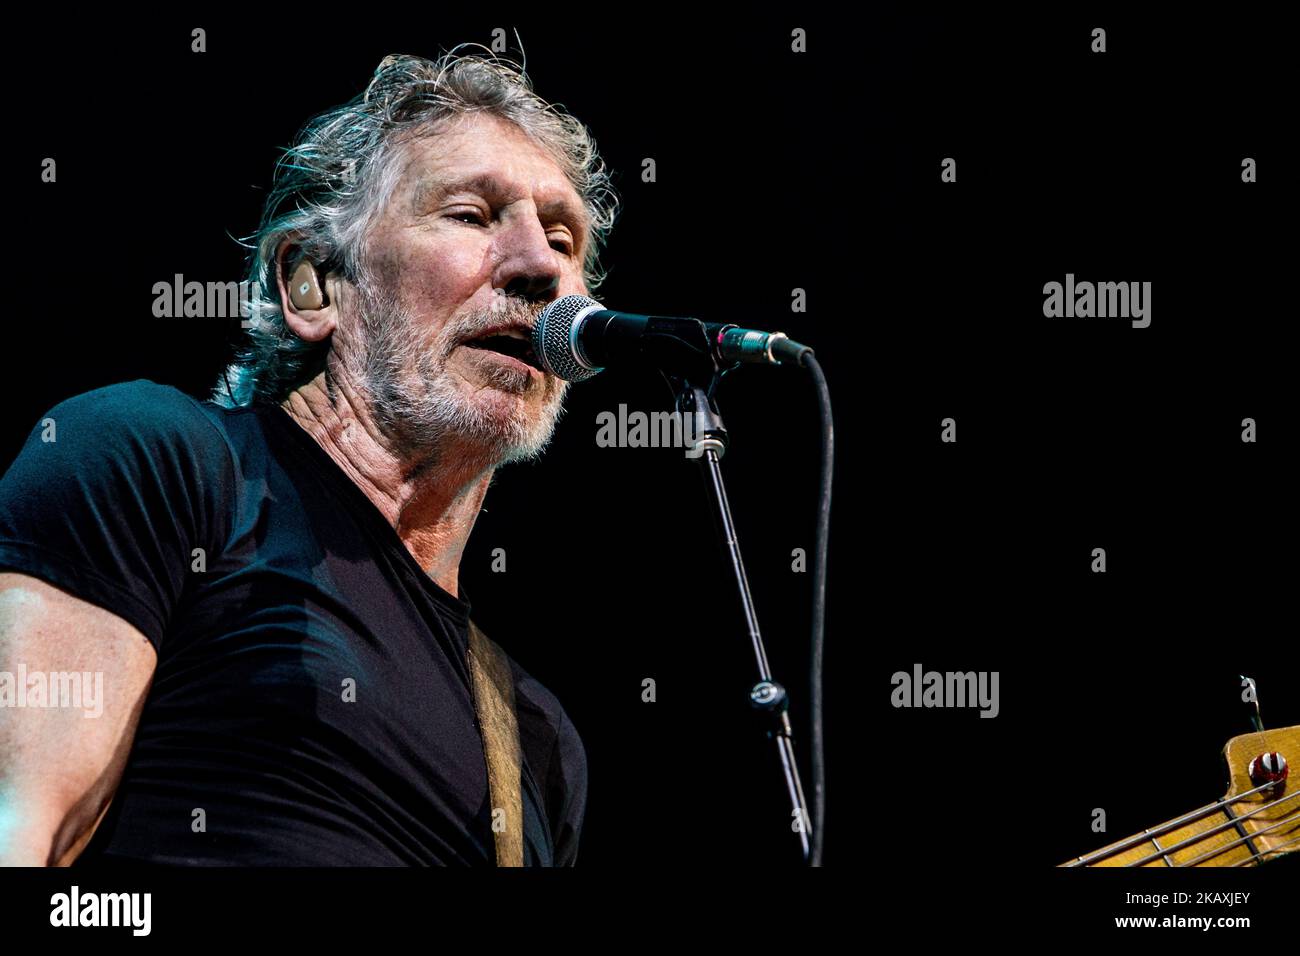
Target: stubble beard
[[420, 404]]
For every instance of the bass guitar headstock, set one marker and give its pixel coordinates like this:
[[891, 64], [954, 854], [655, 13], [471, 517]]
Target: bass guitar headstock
[[1256, 821]]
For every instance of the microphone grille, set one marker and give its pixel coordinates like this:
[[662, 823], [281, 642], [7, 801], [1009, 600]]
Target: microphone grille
[[553, 337]]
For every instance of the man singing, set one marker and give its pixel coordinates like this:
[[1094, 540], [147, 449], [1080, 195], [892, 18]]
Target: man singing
[[268, 581]]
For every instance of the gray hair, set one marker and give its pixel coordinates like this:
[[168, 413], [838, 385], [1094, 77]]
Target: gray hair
[[336, 178]]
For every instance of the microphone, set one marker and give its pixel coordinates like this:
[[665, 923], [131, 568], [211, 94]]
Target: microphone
[[576, 337]]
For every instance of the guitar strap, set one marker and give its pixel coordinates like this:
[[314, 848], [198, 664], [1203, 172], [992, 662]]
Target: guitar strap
[[494, 701]]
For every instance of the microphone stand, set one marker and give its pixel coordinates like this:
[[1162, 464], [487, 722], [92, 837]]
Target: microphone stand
[[707, 441]]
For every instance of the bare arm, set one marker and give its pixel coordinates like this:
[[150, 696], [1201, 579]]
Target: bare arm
[[59, 767]]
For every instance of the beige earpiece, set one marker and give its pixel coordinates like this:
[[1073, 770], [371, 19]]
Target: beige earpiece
[[304, 287]]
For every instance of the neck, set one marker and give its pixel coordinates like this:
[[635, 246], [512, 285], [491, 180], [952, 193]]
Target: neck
[[1213, 835], [431, 501]]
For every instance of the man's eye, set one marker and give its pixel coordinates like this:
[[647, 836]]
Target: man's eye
[[559, 245], [473, 217]]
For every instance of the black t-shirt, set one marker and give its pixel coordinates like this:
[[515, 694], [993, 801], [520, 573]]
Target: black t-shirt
[[312, 703]]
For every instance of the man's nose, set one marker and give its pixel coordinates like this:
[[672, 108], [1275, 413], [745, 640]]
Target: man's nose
[[529, 267], [534, 288]]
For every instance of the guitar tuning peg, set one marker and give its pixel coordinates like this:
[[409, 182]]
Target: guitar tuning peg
[[1269, 768], [1250, 696]]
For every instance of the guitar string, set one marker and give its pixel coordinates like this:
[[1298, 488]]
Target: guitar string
[[1201, 837], [1277, 849], [1182, 844], [1194, 861], [1128, 843], [1198, 838]]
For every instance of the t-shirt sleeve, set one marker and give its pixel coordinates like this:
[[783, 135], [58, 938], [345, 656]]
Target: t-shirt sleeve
[[110, 496], [558, 761], [566, 786]]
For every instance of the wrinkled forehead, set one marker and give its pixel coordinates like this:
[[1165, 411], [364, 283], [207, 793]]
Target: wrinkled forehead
[[490, 157]]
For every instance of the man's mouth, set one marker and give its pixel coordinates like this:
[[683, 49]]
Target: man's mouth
[[515, 346]]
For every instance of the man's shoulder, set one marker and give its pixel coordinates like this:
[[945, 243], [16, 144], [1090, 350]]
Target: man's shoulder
[[130, 435], [140, 408]]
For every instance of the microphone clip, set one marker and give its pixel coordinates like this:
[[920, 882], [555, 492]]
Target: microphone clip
[[696, 406]]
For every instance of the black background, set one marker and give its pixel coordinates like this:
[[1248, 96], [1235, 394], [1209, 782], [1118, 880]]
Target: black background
[[820, 171]]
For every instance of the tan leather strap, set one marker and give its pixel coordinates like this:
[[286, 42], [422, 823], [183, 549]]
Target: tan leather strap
[[494, 700]]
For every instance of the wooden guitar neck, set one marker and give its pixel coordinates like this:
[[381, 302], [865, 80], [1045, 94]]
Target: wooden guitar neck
[[1257, 820]]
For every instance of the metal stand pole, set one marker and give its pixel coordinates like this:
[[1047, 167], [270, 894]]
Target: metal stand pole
[[708, 441]]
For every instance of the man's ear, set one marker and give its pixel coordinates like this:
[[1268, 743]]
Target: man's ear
[[308, 299]]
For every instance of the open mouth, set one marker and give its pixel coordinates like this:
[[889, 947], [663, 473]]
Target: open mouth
[[517, 348]]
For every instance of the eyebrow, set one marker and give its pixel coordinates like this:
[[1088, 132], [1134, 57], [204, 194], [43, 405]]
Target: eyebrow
[[486, 184]]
